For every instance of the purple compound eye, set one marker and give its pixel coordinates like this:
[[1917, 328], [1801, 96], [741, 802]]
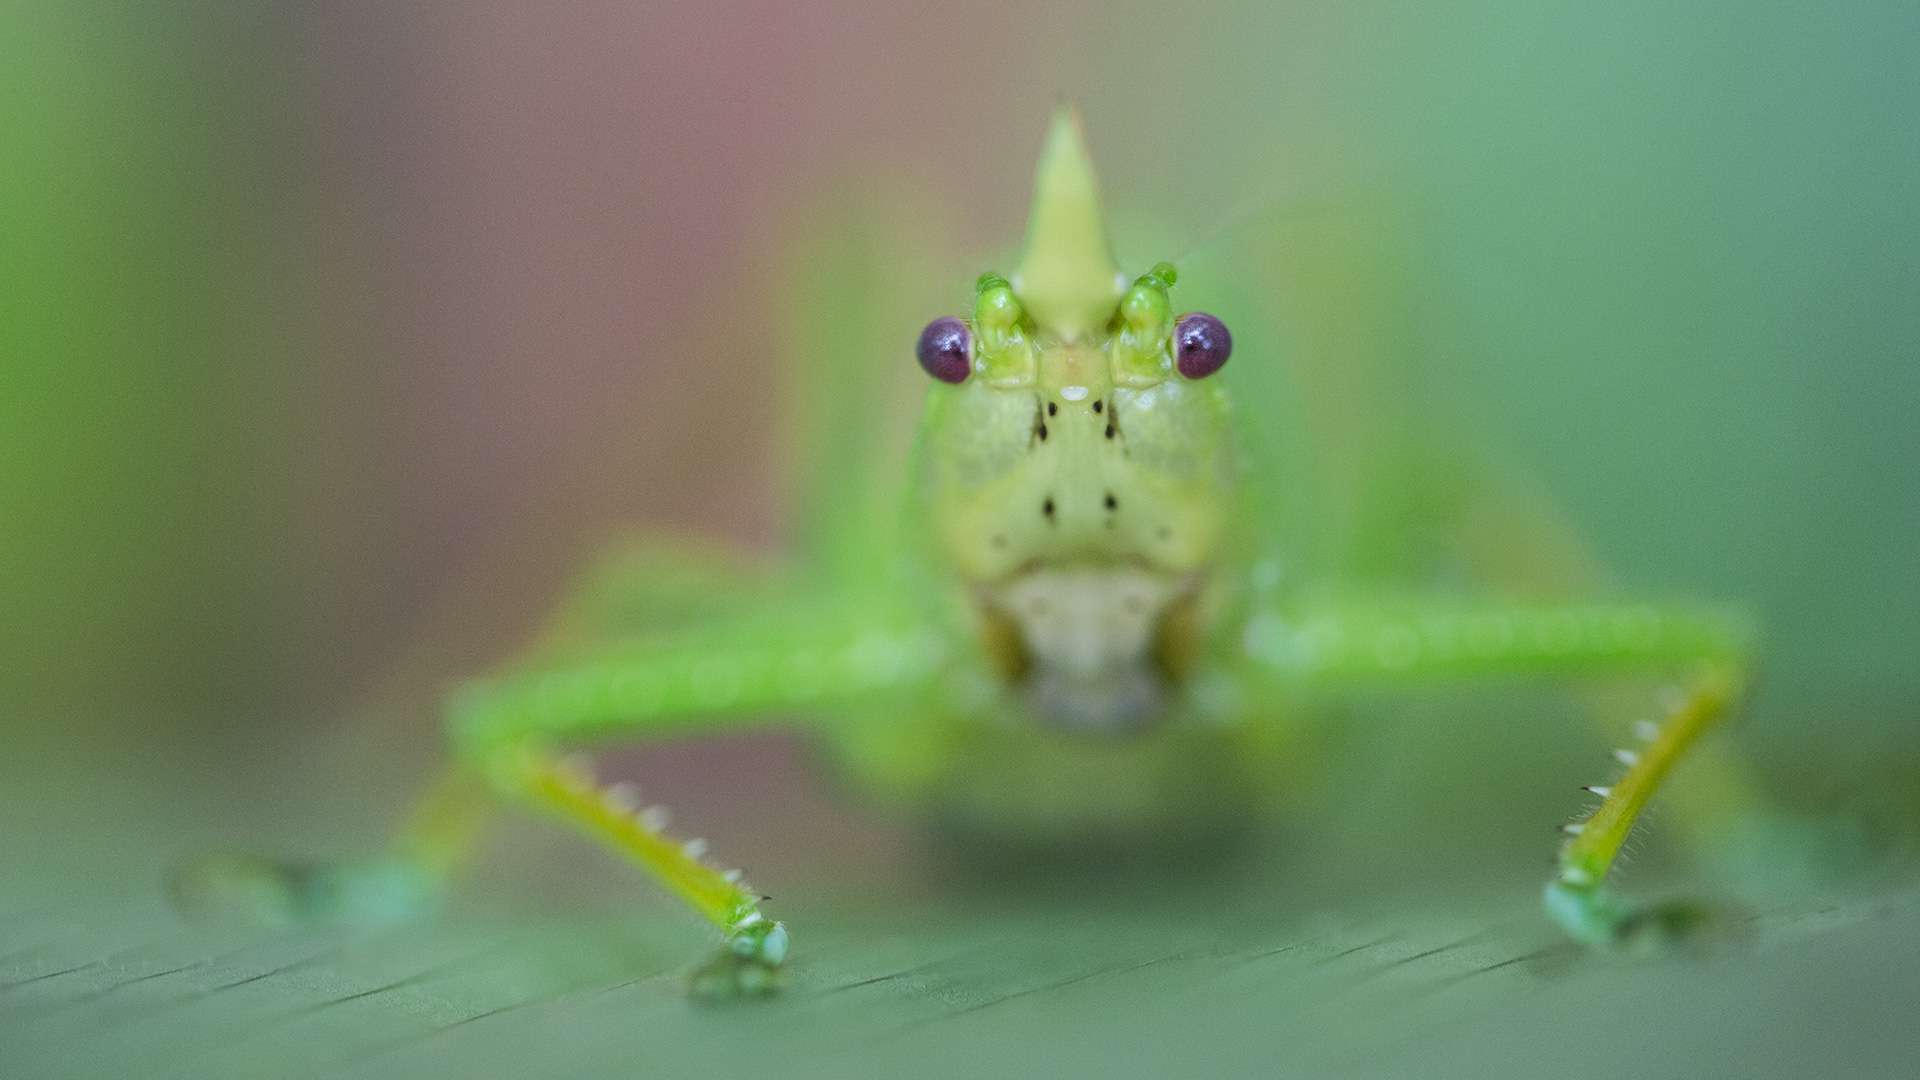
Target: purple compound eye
[[1201, 345], [946, 350]]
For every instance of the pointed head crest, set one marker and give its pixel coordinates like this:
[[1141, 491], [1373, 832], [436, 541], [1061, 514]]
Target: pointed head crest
[[1067, 279], [1067, 319]]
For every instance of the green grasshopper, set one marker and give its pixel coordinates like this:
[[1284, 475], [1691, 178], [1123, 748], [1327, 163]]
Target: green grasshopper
[[1093, 614]]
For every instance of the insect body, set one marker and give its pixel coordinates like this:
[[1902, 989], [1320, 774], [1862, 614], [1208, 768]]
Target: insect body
[[1081, 623]]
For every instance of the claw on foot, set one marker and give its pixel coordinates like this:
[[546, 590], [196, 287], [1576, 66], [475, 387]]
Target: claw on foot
[[749, 965], [1595, 916], [1590, 916]]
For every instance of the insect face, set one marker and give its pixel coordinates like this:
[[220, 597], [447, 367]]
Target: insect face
[[1077, 472]]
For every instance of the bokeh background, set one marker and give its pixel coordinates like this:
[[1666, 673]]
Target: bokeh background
[[319, 316], [334, 337]]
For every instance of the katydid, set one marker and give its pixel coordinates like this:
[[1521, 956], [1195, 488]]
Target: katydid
[[1093, 586]]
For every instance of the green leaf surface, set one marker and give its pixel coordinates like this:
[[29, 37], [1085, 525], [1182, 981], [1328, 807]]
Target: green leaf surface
[[1312, 964]]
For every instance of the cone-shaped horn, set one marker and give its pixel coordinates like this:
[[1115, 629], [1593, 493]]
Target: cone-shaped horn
[[1067, 280]]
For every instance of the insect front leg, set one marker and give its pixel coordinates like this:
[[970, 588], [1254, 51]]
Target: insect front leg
[[650, 587], [1707, 649], [790, 656], [510, 732], [1577, 898]]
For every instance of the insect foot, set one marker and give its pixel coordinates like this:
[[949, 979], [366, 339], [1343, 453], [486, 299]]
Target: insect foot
[[747, 966], [273, 892], [1598, 917]]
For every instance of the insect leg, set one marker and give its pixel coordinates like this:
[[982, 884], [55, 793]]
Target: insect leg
[[645, 587], [724, 674], [1576, 898], [509, 731], [1429, 640]]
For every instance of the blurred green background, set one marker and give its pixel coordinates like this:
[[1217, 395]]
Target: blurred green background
[[319, 315], [335, 337]]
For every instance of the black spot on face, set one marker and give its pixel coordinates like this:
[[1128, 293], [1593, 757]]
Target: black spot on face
[[1110, 431], [1111, 502], [1053, 408], [1098, 405], [1047, 508], [1042, 433]]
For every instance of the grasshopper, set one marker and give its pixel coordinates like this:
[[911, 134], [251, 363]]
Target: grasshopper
[[1089, 615]]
